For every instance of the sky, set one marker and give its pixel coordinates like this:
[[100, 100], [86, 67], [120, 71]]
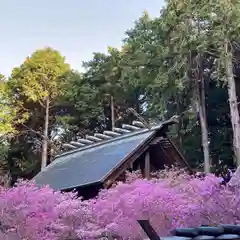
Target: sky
[[76, 28]]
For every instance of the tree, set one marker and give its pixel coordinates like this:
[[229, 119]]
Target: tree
[[40, 79], [81, 108], [187, 32], [227, 30], [153, 68], [162, 46], [222, 19]]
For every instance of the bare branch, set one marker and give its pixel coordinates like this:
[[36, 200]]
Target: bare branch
[[41, 103], [37, 133]]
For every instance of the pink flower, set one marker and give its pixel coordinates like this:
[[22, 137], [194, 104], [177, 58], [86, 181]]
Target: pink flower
[[173, 199]]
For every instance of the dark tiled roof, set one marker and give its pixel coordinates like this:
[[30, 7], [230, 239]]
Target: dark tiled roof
[[91, 165], [95, 157], [222, 232]]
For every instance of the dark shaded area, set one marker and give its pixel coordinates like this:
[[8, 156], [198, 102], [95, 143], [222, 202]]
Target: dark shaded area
[[219, 124], [86, 192]]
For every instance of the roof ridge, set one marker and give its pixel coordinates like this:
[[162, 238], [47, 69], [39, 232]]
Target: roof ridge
[[101, 138], [108, 136]]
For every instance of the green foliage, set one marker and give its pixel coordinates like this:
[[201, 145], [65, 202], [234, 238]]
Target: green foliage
[[5, 111], [81, 105], [41, 75], [8, 110]]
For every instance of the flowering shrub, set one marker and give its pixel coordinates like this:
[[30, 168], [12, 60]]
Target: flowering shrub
[[36, 213], [171, 199]]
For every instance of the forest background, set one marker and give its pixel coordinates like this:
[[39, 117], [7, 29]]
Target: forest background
[[184, 62]]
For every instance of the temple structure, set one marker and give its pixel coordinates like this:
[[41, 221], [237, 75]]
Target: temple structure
[[98, 161]]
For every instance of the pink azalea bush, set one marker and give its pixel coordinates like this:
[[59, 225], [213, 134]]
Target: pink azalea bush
[[35, 213], [171, 199]]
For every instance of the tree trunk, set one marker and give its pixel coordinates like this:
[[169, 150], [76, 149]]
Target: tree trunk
[[45, 137], [179, 125], [235, 119], [112, 113], [201, 108], [204, 131]]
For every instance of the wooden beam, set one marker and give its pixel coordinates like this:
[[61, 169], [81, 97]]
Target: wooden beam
[[120, 169], [156, 141], [149, 230], [180, 156], [147, 166]]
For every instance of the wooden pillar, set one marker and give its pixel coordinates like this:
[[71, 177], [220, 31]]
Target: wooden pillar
[[131, 166], [147, 166]]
